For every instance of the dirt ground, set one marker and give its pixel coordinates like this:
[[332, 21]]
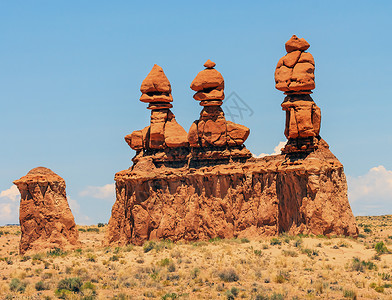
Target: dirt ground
[[284, 267]]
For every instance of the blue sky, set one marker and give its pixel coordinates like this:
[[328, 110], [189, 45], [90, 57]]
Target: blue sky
[[70, 73]]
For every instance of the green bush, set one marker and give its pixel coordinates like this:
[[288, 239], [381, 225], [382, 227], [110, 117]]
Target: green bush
[[275, 241], [381, 248], [101, 224], [17, 286], [70, 284], [93, 230]]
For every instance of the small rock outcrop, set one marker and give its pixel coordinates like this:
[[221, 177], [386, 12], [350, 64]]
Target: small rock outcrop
[[164, 138], [45, 218], [294, 75]]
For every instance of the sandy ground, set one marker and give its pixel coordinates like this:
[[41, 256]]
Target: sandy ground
[[285, 267]]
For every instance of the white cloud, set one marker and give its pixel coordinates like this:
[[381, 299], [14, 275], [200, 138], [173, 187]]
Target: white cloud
[[371, 194], [80, 218], [12, 193], [9, 206], [100, 192], [276, 150]]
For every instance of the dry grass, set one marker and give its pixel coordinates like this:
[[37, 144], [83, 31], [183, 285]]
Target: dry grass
[[286, 267]]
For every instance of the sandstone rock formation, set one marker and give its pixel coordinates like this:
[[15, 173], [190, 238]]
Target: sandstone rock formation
[[164, 133], [216, 190], [294, 75], [45, 218], [212, 132], [259, 197]]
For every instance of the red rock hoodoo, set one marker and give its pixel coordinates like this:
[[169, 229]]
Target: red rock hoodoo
[[294, 75], [164, 139], [215, 189], [45, 218], [212, 136]]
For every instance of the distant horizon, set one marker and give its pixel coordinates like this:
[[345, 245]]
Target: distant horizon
[[71, 76]]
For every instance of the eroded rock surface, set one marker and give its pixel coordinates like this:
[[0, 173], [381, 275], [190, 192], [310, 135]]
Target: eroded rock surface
[[45, 218], [259, 197]]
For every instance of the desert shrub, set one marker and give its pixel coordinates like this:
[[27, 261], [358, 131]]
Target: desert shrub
[[282, 277], [385, 276], [70, 284], [381, 248], [235, 291], [215, 239], [41, 286], [310, 252], [275, 241], [82, 230], [290, 253], [261, 297], [91, 257], [114, 258], [258, 252], [298, 243], [158, 246], [195, 272], [93, 230], [276, 296], [56, 252], [171, 267], [170, 296], [148, 246], [350, 294], [367, 230], [164, 262], [243, 241], [101, 224], [17, 285], [360, 265], [228, 275]]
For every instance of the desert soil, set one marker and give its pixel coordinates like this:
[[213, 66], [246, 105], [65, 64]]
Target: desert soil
[[284, 267]]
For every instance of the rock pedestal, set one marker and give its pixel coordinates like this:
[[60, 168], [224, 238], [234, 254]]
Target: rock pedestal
[[45, 218], [294, 75]]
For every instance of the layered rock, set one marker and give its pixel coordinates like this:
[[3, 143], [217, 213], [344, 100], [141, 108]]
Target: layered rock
[[259, 197], [294, 75], [45, 218], [164, 138], [222, 139]]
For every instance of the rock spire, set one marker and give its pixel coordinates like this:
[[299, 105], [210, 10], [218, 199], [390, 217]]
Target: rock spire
[[294, 75]]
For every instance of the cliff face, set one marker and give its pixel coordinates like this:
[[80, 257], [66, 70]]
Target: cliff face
[[45, 218], [255, 198]]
